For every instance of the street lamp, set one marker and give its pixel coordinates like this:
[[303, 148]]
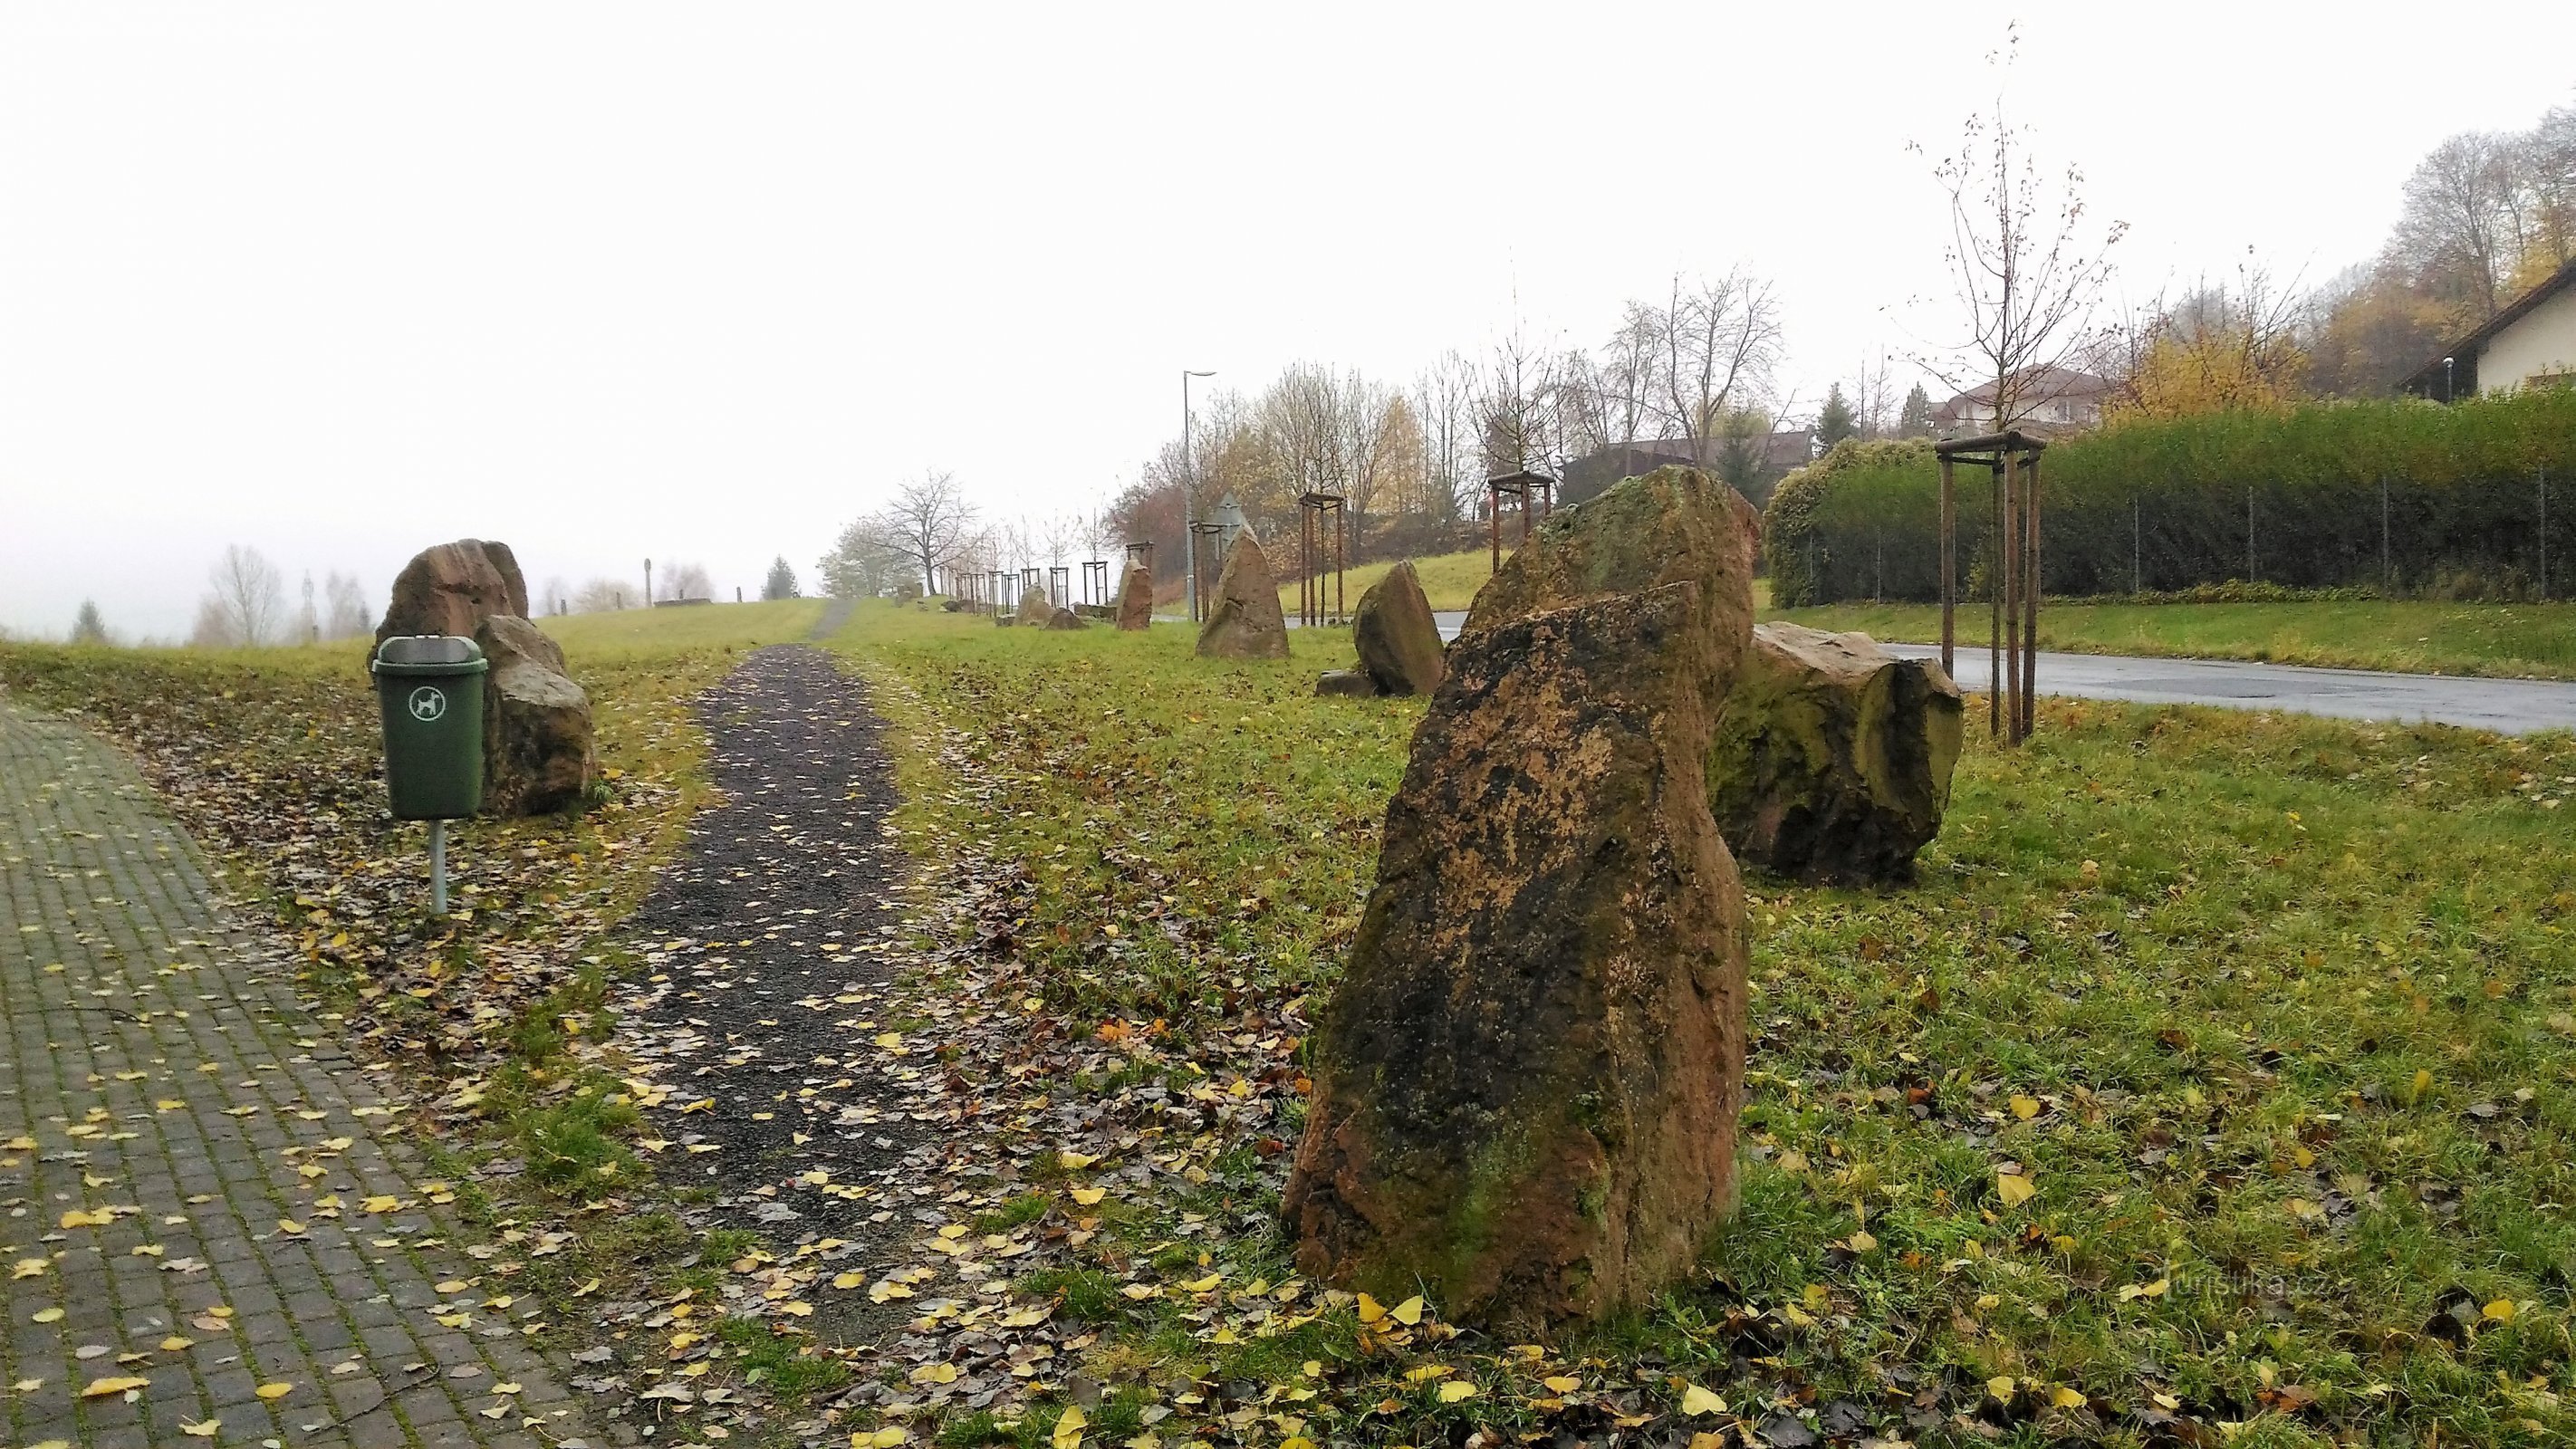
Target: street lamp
[[2450, 392], [1189, 491]]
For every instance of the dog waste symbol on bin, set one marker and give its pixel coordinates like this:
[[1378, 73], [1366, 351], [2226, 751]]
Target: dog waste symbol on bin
[[428, 702]]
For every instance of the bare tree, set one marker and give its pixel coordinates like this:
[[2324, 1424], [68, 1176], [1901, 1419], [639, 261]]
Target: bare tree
[[247, 599], [1520, 420], [1873, 398], [600, 596], [687, 581], [344, 612], [1721, 340], [2025, 266], [926, 521], [1445, 402]]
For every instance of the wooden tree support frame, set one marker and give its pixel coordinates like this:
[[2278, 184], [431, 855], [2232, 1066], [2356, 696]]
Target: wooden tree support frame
[[1000, 579], [1095, 576], [1211, 552], [2012, 590], [1141, 551], [1060, 585], [1318, 549], [1537, 495]]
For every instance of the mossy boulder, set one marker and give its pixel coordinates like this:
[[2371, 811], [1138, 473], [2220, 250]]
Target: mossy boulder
[[1832, 758], [1527, 1083], [1397, 639], [1244, 619]]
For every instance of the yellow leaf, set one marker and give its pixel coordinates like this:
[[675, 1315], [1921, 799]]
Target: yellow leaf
[[174, 1344], [2025, 1107], [1203, 1284], [1457, 1391], [453, 1285], [1409, 1312], [1567, 1383], [2015, 1188], [46, 1315], [274, 1391], [2501, 1310], [848, 1280], [1695, 1401], [1068, 1430], [29, 1268], [78, 1219], [1862, 1242], [892, 1041], [2065, 1398], [2001, 1386], [289, 1226], [886, 1438], [1076, 1161], [1089, 1196], [797, 1309], [206, 1430], [2423, 1083], [1370, 1309], [22, 1144], [109, 1388], [381, 1203], [934, 1373]]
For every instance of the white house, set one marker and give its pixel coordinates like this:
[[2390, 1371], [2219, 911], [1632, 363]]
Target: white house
[[2050, 401], [2531, 343]]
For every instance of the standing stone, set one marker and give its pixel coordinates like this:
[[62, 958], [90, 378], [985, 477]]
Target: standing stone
[[537, 752], [1398, 640], [1064, 619], [1528, 1081], [1672, 524], [1036, 608], [1831, 762], [450, 588], [1136, 598], [1244, 621]]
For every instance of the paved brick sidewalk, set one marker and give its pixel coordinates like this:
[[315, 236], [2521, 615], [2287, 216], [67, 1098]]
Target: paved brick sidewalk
[[198, 1191]]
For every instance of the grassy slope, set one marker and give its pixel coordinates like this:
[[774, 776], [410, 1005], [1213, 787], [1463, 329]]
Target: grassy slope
[[2416, 636], [633, 632], [2275, 1012], [1449, 579]]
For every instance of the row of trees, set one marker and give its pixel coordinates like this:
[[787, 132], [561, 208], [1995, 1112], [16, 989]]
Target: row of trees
[[2485, 217], [930, 534], [245, 606]]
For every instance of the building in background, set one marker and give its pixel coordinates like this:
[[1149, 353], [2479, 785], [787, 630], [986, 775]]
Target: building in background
[[2531, 343]]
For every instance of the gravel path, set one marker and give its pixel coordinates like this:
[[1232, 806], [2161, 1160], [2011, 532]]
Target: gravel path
[[762, 1016], [216, 1232]]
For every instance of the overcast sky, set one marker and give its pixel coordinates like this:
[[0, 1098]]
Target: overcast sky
[[698, 283]]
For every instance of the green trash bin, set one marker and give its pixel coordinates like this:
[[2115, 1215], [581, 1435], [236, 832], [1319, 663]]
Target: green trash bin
[[431, 689]]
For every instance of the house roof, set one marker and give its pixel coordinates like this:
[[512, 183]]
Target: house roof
[[2507, 315], [2048, 384]]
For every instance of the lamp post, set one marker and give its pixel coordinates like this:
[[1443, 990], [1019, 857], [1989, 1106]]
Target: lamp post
[[2450, 390], [648, 583], [1189, 490]]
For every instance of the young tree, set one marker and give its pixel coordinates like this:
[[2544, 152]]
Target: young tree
[[1914, 420], [1444, 403], [927, 520], [1836, 420], [781, 583], [344, 613], [2025, 263], [89, 626], [247, 597]]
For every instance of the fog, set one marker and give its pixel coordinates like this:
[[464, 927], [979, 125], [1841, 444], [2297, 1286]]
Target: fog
[[697, 283]]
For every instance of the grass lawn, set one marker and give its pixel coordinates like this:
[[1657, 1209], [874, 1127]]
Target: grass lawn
[[1449, 580], [2274, 1014], [2415, 636], [629, 633]]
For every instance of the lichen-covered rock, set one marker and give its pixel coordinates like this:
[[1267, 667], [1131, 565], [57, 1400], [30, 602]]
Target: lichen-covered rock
[[1036, 608], [537, 750], [1136, 598], [450, 588], [1527, 1084], [1064, 619], [1345, 683], [1398, 640], [1675, 523], [1244, 619], [1831, 760]]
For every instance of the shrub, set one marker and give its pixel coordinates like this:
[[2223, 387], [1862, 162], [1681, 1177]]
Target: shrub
[[2400, 496]]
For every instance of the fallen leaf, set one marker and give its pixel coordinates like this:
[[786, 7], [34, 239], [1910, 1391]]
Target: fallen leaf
[[1695, 1400], [1457, 1391], [108, 1388], [274, 1390], [2015, 1188]]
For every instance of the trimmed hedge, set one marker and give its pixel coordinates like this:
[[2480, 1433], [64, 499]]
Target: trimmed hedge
[[2453, 495]]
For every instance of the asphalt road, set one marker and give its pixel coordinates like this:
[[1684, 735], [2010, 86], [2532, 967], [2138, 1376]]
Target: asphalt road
[[2506, 706]]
